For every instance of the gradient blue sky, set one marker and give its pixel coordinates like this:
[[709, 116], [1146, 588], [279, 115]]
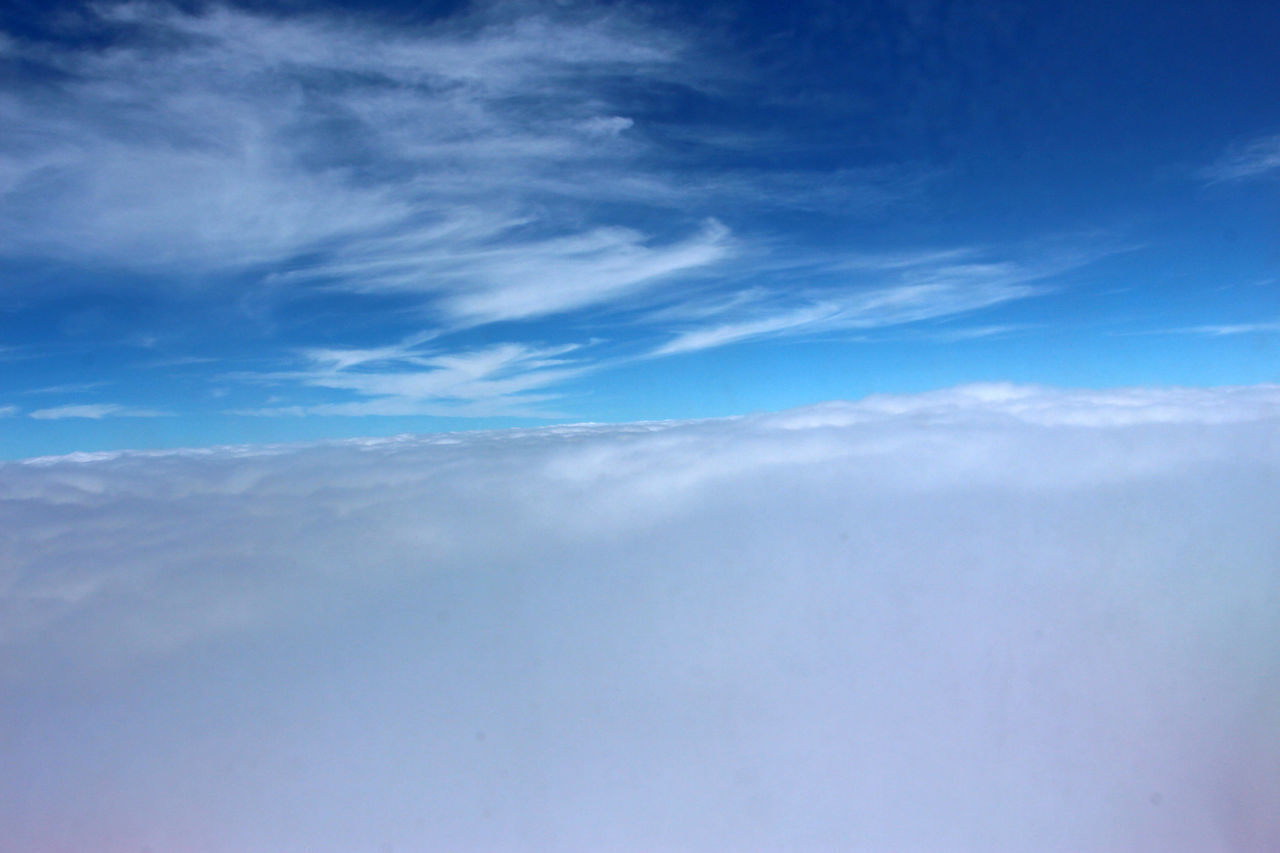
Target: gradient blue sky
[[263, 222]]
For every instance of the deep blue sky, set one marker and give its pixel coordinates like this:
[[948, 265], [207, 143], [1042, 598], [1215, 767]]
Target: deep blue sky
[[260, 222]]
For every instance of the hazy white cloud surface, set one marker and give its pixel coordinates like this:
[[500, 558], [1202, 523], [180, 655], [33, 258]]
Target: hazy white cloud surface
[[990, 618]]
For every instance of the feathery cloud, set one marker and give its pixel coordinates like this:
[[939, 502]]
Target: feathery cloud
[[1254, 159], [96, 411], [407, 379], [924, 290]]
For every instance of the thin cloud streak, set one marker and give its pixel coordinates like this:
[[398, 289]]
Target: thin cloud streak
[[499, 280], [1216, 330], [408, 379], [97, 411], [926, 294], [1232, 329], [973, 333], [73, 387], [1255, 159]]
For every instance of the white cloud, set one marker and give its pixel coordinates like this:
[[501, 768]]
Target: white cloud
[[806, 319], [606, 125], [16, 353], [1223, 329], [925, 291], [408, 379], [1041, 406], [1216, 330], [993, 617], [1254, 159], [68, 388], [527, 278], [487, 165], [344, 358], [970, 333], [96, 411], [8, 411], [368, 144], [552, 277], [490, 166]]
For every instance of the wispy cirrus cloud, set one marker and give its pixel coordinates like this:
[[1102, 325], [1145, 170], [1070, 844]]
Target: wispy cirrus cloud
[[925, 289], [342, 358], [10, 353], [1223, 329], [506, 164], [1254, 159], [68, 388], [1217, 330], [508, 379], [309, 134], [484, 282], [96, 411], [971, 333], [421, 374], [465, 162]]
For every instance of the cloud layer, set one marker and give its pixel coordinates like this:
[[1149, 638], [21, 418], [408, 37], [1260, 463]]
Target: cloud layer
[[990, 618]]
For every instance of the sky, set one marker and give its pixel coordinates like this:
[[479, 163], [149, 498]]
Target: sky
[[264, 222], [639, 426], [991, 618]]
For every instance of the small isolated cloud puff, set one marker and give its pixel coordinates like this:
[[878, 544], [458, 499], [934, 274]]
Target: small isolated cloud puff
[[606, 125], [993, 617]]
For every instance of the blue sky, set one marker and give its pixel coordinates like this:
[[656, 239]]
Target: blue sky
[[270, 222]]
